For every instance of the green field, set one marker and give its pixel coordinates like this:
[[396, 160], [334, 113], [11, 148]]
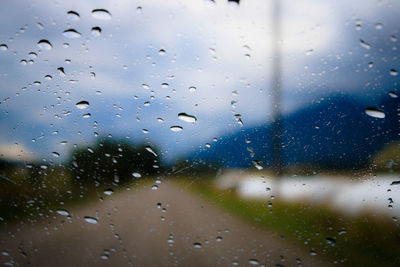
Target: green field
[[352, 241]]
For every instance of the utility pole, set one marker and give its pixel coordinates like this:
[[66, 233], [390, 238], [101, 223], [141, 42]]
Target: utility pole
[[276, 91]]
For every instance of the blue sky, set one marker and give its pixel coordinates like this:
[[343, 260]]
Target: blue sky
[[217, 48]]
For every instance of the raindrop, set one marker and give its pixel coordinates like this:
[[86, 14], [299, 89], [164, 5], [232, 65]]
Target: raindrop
[[61, 71], [374, 112], [92, 75], [136, 175], [145, 131], [72, 15], [96, 31], [176, 128], [148, 148], [160, 119], [101, 14], [393, 94], [3, 47], [48, 77], [313, 253], [187, 117], [161, 52], [145, 86], [393, 72], [23, 62], [154, 187], [330, 241], [309, 52], [164, 85], [253, 262], [370, 65], [218, 239], [63, 212], [40, 25], [55, 154], [108, 192], [44, 44], [87, 115], [104, 257], [192, 89], [256, 164], [365, 44], [379, 26], [197, 245], [71, 33], [90, 220], [82, 104]]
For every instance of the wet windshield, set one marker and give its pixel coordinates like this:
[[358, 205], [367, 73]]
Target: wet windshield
[[202, 133]]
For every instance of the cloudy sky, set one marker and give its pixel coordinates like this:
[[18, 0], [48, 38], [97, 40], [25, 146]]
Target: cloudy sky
[[152, 60]]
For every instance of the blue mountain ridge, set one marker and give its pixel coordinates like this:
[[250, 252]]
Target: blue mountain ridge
[[332, 133]]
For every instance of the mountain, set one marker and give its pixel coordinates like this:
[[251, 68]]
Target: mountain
[[333, 133]]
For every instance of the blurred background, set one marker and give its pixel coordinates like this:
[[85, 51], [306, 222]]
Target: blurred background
[[101, 96]]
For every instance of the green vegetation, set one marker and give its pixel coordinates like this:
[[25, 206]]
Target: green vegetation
[[29, 191], [361, 241], [388, 159]]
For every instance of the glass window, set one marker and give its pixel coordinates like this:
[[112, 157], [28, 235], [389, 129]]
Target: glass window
[[199, 133]]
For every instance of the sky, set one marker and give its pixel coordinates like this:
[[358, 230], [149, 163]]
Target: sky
[[154, 60]]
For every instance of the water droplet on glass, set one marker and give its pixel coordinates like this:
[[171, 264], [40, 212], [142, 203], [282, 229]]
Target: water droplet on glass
[[44, 44], [253, 262], [90, 220], [393, 94], [148, 148], [330, 241], [71, 33], [104, 257], [3, 47], [101, 14], [257, 164], [108, 192], [176, 128], [55, 154], [313, 253], [309, 52], [161, 52], [218, 239], [82, 104], [374, 112], [63, 212], [87, 115], [61, 71], [73, 15], [136, 175], [48, 77], [192, 89], [187, 117], [393, 72], [197, 245], [379, 26], [160, 119], [365, 44], [145, 86], [154, 187], [164, 85], [96, 31]]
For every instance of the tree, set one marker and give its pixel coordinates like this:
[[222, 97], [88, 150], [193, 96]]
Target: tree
[[112, 161]]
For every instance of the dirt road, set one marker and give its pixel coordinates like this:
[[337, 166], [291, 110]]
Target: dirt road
[[132, 230]]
